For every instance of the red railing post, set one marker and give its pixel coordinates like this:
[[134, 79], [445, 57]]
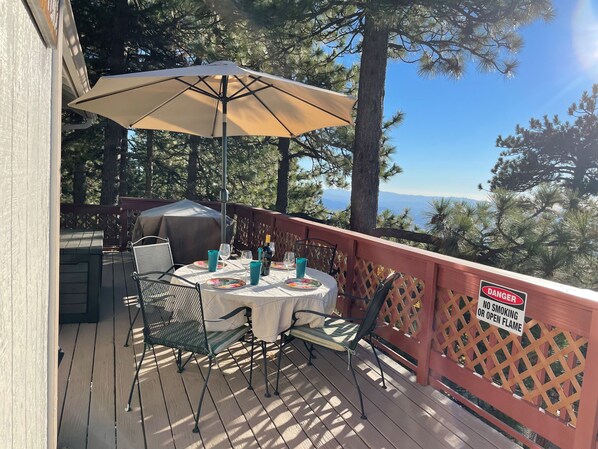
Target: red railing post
[[587, 417], [428, 307]]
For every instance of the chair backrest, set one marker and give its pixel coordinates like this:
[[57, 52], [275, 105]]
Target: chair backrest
[[153, 257], [320, 254], [172, 311], [371, 316]]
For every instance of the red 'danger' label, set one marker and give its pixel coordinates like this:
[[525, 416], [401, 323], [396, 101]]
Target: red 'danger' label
[[503, 295]]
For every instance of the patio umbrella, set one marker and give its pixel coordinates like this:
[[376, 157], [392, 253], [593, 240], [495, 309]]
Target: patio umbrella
[[216, 100]]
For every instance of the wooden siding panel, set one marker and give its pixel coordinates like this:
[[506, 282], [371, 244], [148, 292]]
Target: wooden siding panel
[[25, 88], [6, 324], [18, 201]]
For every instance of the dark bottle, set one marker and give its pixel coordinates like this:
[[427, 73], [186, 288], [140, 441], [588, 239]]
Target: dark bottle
[[266, 257]]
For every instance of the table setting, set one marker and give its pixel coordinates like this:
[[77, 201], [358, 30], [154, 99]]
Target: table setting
[[289, 285]]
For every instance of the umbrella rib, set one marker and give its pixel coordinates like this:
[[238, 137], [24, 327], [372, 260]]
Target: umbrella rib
[[251, 92], [98, 97], [305, 101], [219, 98], [267, 108], [162, 104], [194, 88], [234, 96]]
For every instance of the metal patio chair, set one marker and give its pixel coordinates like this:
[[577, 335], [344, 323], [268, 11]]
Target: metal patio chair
[[341, 334], [149, 258], [186, 330], [319, 253]]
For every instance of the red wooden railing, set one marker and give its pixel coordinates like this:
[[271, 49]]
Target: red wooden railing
[[545, 380]]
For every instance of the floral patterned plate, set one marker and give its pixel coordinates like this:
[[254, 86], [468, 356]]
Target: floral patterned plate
[[204, 264], [280, 266], [302, 283], [225, 283]]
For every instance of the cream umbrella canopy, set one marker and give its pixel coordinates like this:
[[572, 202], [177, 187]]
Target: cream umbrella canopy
[[216, 100]]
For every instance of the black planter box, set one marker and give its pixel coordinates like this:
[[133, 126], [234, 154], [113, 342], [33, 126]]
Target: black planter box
[[80, 275]]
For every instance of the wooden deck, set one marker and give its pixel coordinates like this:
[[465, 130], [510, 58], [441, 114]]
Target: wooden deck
[[317, 406]]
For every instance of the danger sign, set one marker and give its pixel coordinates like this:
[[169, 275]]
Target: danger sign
[[502, 307]]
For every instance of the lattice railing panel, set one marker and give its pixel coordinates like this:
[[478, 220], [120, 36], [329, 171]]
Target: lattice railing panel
[[285, 241], [259, 233], [340, 262], [92, 221], [242, 233], [545, 366], [403, 305]]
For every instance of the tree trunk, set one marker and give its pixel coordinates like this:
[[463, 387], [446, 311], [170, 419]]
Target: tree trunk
[[368, 127], [193, 168], [149, 162], [112, 139], [79, 183], [123, 186], [282, 186]]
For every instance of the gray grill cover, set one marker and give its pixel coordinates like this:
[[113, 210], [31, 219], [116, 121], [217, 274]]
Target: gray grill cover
[[192, 229]]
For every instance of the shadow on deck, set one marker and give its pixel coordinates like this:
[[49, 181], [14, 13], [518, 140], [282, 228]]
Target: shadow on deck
[[317, 407]]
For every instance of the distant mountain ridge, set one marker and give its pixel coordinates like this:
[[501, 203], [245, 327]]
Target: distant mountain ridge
[[418, 205]]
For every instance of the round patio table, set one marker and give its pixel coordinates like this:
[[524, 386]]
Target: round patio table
[[272, 303]]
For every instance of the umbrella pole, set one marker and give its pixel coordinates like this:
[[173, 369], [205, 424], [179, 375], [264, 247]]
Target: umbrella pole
[[224, 192]]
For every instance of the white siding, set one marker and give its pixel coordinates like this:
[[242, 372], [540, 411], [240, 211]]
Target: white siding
[[25, 100]]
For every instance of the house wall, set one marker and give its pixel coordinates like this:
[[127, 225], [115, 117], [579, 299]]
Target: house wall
[[25, 150]]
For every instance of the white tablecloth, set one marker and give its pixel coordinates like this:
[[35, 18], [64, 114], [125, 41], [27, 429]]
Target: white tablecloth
[[271, 302]]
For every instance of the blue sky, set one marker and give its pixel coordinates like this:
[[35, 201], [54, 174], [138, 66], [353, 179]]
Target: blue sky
[[446, 143]]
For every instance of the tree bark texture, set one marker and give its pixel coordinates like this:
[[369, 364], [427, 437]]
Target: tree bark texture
[[112, 139], [368, 127], [123, 185], [79, 182], [193, 168], [149, 162], [282, 186]]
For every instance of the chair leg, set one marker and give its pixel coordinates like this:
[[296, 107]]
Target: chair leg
[[378, 362], [177, 360], [311, 353], [203, 392], [310, 349], [135, 379], [130, 332], [186, 361], [358, 389], [250, 387], [278, 363], [267, 394]]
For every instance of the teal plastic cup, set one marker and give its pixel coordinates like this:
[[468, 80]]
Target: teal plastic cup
[[255, 267], [301, 263], [212, 260]]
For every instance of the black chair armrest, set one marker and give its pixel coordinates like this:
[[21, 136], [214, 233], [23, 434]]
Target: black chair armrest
[[325, 315], [353, 297], [231, 314]]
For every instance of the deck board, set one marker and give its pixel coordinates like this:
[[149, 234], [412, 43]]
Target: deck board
[[386, 413], [317, 407], [75, 415], [102, 413], [129, 425]]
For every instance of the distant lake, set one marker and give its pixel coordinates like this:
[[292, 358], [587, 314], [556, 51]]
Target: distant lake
[[418, 205]]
